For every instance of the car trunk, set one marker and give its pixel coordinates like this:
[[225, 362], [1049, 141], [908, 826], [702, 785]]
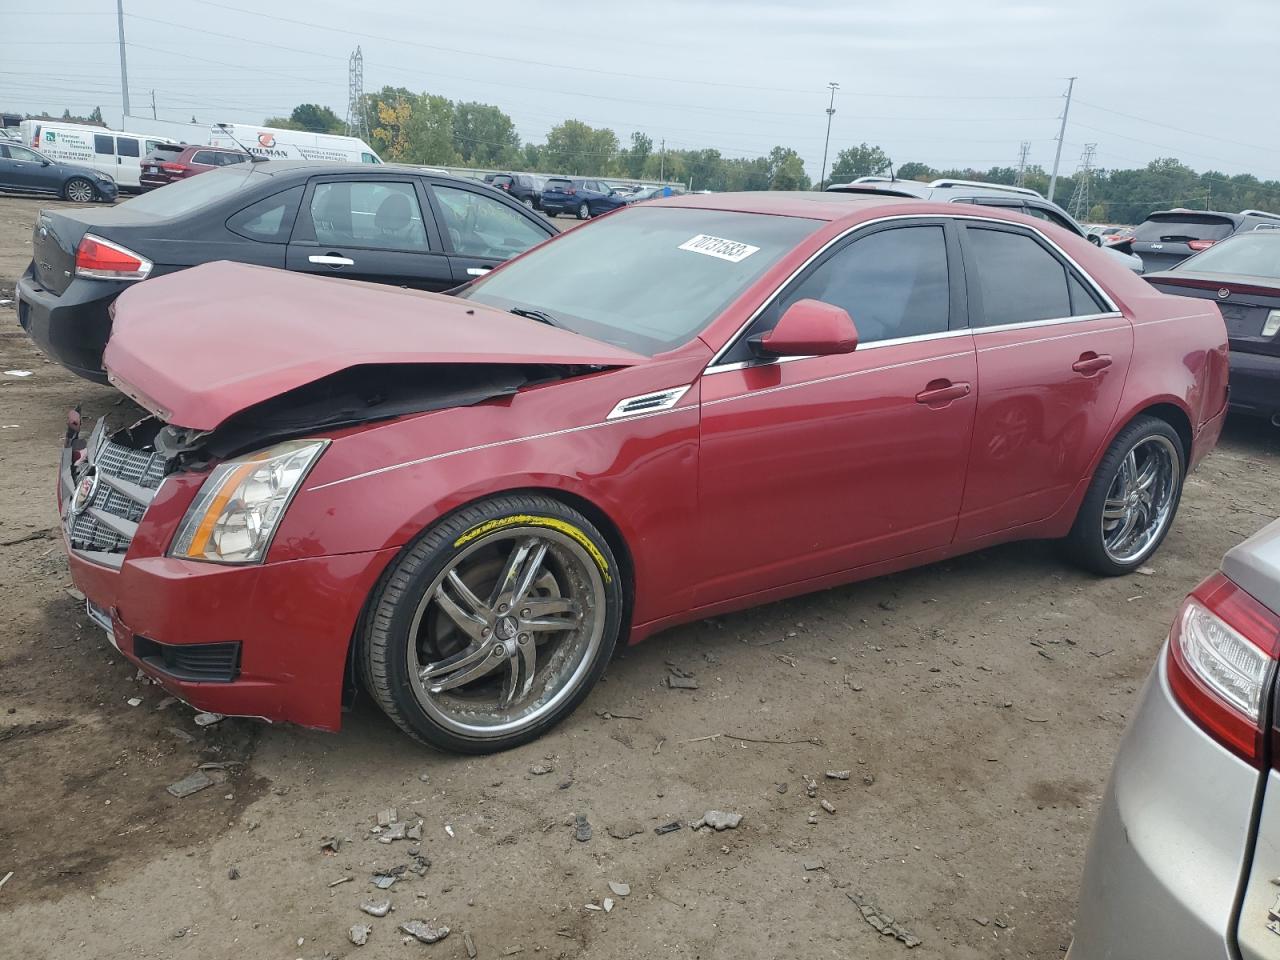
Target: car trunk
[[1248, 303], [1255, 566], [58, 233], [1164, 240]]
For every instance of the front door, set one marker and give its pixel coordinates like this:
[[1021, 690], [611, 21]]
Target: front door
[[23, 169], [368, 229], [482, 231], [818, 465], [1052, 359]]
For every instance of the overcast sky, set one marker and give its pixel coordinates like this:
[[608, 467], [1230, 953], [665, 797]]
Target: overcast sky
[[945, 82]]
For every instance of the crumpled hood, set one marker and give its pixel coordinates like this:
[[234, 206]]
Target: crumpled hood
[[197, 346]]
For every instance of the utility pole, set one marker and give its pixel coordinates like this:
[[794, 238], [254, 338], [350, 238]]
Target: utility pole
[[153, 105], [1023, 151], [357, 122], [831, 112], [1084, 179], [124, 69], [1062, 132], [662, 161]]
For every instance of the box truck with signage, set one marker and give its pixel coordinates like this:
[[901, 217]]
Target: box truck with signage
[[272, 143]]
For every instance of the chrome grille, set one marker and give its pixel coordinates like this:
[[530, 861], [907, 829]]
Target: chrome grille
[[128, 479]]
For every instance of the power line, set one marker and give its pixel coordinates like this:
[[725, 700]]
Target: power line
[[1167, 126]]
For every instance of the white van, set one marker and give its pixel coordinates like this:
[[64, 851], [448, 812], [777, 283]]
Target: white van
[[274, 143], [116, 153]]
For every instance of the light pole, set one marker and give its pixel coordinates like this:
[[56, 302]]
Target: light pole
[[831, 112]]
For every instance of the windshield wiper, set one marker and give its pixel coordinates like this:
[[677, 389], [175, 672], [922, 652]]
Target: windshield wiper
[[539, 315]]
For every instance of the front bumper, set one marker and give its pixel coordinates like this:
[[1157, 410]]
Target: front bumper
[[291, 622], [72, 328], [1171, 838], [1255, 384]]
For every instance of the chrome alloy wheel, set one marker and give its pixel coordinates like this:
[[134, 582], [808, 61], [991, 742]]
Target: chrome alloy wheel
[[1140, 503], [506, 631], [80, 191]]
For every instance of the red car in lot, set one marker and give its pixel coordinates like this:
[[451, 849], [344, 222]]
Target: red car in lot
[[173, 161], [461, 503]]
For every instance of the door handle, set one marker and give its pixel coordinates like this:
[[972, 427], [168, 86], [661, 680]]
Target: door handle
[[332, 260], [1091, 362], [477, 271], [942, 391]]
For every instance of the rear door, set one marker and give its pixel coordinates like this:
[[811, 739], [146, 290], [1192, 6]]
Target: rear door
[[1164, 240], [481, 231], [1052, 358], [369, 228], [129, 155]]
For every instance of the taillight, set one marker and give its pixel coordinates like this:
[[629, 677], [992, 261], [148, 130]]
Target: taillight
[[1222, 653], [571, 191], [99, 259], [1201, 244], [175, 167]]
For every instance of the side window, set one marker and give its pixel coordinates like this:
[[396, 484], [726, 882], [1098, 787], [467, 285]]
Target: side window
[[1020, 280], [22, 153], [207, 157], [229, 159], [1040, 213], [368, 213], [127, 147], [1083, 302], [104, 144], [893, 283], [481, 226], [270, 219], [367, 158]]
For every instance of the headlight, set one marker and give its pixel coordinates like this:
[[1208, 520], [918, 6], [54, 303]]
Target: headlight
[[241, 502], [104, 178]]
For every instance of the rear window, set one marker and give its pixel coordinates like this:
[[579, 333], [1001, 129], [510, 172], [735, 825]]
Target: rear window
[[502, 180], [183, 196], [1250, 254], [559, 185], [1180, 228], [165, 151]]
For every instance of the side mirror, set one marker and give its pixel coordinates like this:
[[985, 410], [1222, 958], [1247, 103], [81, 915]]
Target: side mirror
[[1095, 239], [46, 163], [808, 328]]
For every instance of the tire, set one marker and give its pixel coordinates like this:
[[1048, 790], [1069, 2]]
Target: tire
[[584, 211], [1096, 540], [79, 190], [427, 610], [528, 202]]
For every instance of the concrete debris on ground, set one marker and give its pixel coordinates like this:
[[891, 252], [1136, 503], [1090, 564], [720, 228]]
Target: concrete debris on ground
[[192, 784], [208, 719], [810, 787], [581, 828], [882, 922], [359, 934], [619, 889], [329, 845], [813, 865], [376, 908], [469, 944], [813, 817], [414, 832], [592, 906], [134, 701], [608, 904], [181, 734], [419, 865], [682, 683], [718, 820], [781, 787], [541, 769], [838, 774], [387, 817], [827, 805], [424, 931], [394, 831]]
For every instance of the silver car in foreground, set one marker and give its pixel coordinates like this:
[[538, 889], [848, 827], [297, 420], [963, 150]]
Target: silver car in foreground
[[1185, 857]]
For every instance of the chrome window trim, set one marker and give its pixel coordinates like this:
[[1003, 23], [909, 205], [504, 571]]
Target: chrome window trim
[[1031, 324], [862, 348], [715, 367]]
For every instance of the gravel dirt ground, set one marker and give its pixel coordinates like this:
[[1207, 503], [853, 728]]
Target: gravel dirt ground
[[977, 704]]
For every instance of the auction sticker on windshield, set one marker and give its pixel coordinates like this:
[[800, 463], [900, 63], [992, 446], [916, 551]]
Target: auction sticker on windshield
[[731, 250]]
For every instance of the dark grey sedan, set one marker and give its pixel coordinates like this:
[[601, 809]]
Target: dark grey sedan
[[23, 170]]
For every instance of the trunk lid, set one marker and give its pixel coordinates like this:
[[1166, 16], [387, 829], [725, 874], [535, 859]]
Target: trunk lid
[[199, 346], [53, 249], [1247, 304]]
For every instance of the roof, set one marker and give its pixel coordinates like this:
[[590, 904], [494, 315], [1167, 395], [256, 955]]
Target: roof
[[790, 203], [275, 167]]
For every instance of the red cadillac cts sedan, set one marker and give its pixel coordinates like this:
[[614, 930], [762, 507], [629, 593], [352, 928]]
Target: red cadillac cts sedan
[[462, 503]]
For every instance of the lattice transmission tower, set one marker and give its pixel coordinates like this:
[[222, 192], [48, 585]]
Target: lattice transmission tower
[[1023, 152], [357, 123], [1084, 180]]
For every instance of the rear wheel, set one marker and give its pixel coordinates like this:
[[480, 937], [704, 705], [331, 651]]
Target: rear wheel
[[78, 190], [1132, 499], [528, 202], [584, 212], [494, 625]]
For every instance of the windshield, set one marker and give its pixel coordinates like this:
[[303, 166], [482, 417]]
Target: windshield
[[183, 196], [648, 279], [1249, 254]]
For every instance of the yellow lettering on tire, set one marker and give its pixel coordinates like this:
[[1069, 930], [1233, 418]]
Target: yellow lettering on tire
[[528, 520]]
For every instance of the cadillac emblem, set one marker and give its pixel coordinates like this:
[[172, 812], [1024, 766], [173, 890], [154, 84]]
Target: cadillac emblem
[[1223, 293], [85, 491]]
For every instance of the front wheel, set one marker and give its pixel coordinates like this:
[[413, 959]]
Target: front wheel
[[584, 212], [78, 190], [494, 625], [528, 202], [1132, 499]]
